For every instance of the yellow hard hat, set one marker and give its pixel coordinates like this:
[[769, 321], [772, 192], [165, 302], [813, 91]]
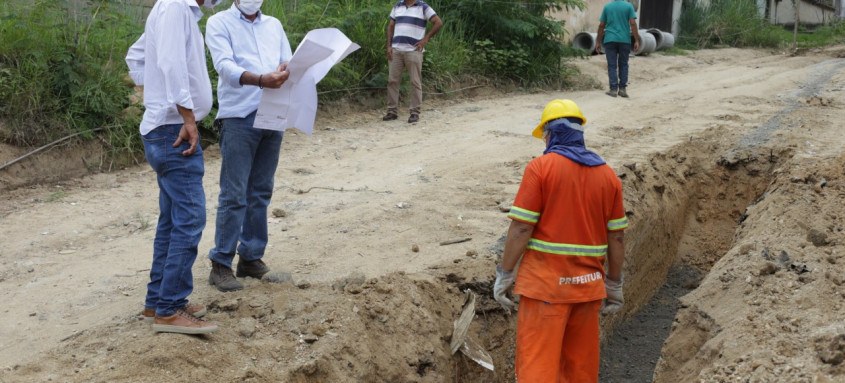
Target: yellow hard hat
[[558, 109]]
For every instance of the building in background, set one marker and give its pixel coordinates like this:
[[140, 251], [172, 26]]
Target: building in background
[[812, 12]]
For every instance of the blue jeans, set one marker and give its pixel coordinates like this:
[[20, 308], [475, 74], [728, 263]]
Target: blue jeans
[[617, 56], [250, 157], [181, 202]]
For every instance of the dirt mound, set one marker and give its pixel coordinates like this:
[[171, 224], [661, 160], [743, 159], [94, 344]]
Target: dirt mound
[[393, 328]]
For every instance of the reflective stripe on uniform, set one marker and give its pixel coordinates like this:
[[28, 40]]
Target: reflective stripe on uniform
[[567, 248], [617, 224], [524, 215]]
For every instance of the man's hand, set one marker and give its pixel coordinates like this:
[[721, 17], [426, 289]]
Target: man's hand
[[615, 298], [190, 134], [504, 281], [282, 67], [599, 48], [389, 53], [636, 45], [274, 80], [420, 45]]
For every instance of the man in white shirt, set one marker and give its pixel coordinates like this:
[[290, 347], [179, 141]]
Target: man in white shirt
[[169, 62], [406, 41], [250, 51]]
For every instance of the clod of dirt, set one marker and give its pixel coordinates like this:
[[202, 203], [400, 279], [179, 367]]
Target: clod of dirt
[[227, 305], [353, 289], [819, 101], [351, 284], [303, 285], [504, 207], [832, 351], [472, 253], [817, 238], [246, 327], [279, 213], [415, 248], [310, 338], [277, 277], [769, 268]]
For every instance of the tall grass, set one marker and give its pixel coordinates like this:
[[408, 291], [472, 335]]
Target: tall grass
[[725, 22], [62, 66], [62, 69]]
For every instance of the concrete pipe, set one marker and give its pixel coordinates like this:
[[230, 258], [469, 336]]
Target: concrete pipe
[[664, 40], [648, 44], [585, 41]]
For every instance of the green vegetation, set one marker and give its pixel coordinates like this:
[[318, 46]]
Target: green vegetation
[[725, 22], [736, 23], [62, 67], [62, 71]]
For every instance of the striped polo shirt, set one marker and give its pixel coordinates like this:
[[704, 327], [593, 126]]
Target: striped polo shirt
[[410, 24]]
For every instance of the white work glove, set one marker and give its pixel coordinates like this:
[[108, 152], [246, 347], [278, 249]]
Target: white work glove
[[615, 299], [504, 281]]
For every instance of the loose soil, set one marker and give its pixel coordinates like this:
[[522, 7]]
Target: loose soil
[[733, 170]]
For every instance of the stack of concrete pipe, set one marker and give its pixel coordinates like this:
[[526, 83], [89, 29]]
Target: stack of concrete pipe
[[651, 40], [665, 40]]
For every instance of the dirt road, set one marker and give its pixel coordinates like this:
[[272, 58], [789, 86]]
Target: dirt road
[[360, 192]]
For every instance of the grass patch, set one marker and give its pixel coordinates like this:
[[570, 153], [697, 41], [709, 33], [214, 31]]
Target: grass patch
[[62, 70], [736, 23]]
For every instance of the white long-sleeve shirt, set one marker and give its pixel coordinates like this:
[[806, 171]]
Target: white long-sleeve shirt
[[169, 61], [238, 45]]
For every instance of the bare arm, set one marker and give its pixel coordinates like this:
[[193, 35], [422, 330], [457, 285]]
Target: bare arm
[[431, 32], [600, 38], [391, 26], [518, 235], [635, 32], [615, 254]]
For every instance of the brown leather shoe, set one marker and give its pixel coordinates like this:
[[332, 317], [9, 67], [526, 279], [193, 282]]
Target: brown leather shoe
[[197, 311], [222, 278], [183, 323], [255, 269]]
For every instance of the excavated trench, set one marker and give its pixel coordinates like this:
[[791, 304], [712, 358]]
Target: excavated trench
[[684, 204]]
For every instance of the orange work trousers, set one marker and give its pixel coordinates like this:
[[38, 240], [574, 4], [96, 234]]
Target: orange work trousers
[[557, 342]]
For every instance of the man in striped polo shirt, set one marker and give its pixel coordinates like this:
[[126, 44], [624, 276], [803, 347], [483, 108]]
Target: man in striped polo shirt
[[406, 41]]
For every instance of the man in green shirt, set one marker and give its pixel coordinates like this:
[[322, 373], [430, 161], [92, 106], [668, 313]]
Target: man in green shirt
[[618, 22]]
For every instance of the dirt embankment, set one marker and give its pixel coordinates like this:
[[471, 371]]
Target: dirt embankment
[[723, 165]]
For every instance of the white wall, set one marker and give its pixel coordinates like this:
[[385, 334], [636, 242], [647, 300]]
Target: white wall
[[783, 12]]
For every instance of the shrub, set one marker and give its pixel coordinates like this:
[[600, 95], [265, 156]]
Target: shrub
[[62, 70]]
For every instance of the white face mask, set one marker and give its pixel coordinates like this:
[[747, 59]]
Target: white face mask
[[211, 3], [250, 7]]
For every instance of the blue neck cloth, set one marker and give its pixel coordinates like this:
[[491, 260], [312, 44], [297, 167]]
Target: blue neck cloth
[[567, 139]]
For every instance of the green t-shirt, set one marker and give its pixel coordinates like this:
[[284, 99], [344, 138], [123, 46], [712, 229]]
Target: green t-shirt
[[616, 16]]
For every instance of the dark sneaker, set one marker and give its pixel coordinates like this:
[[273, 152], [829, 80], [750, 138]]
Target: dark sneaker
[[255, 269], [222, 278], [414, 118], [183, 323], [611, 93], [197, 311], [390, 116], [623, 93]]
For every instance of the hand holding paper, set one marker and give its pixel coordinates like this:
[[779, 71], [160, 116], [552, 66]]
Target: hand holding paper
[[294, 105]]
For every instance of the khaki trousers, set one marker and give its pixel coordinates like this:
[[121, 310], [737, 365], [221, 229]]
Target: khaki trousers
[[413, 62]]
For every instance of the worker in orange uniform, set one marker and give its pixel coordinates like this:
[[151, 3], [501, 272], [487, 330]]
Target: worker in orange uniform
[[567, 219]]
